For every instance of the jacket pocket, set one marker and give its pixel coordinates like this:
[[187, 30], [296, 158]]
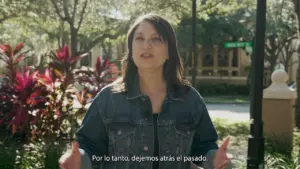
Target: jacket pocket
[[121, 138], [184, 124], [184, 129]]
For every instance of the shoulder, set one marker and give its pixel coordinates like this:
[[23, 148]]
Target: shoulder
[[104, 96], [194, 95], [196, 102], [111, 89]]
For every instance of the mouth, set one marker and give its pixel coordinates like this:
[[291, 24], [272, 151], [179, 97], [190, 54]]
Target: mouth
[[146, 55]]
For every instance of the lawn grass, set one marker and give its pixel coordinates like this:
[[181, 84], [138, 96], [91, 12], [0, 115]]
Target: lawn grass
[[227, 99]]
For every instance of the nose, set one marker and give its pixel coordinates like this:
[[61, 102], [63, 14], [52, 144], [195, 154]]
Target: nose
[[146, 44]]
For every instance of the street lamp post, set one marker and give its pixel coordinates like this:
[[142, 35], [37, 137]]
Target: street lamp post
[[194, 43], [255, 158]]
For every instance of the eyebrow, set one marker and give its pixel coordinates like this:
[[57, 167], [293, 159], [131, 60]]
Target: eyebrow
[[139, 33]]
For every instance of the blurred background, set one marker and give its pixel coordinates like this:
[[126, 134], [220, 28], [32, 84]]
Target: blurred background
[[55, 55]]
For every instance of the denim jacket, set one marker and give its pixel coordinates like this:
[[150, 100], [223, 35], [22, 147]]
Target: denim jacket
[[117, 131]]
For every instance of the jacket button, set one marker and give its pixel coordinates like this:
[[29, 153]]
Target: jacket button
[[146, 148], [119, 132]]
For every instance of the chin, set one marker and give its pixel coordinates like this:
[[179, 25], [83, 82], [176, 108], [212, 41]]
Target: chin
[[148, 66]]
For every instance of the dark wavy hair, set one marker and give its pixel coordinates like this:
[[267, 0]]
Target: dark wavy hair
[[173, 67]]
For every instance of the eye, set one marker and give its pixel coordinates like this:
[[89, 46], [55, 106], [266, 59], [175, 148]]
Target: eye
[[139, 38], [156, 40]]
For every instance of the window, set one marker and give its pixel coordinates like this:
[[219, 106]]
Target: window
[[223, 57], [235, 58], [208, 59]]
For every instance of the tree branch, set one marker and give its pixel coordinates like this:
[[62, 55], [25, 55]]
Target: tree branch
[[286, 40], [74, 10], [284, 57], [268, 47], [5, 17], [287, 53], [96, 41], [43, 29], [58, 43], [297, 7], [281, 9], [100, 38], [81, 15], [57, 11], [210, 7], [66, 12]]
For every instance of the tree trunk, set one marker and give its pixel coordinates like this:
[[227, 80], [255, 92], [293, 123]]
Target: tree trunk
[[286, 66], [272, 64], [73, 41], [63, 35], [297, 109]]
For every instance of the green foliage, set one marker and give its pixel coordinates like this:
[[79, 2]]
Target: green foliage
[[214, 27], [216, 30], [34, 155], [226, 128], [281, 19], [280, 161], [101, 19], [222, 89], [281, 30]]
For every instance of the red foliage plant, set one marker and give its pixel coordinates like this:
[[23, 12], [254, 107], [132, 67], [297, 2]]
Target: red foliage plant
[[40, 103], [21, 97], [96, 78]]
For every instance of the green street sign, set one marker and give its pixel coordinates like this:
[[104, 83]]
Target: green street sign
[[237, 44]]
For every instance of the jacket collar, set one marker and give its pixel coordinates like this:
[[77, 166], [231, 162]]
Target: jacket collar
[[135, 91]]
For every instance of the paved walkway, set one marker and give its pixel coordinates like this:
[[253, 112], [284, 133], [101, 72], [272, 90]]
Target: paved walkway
[[232, 112]]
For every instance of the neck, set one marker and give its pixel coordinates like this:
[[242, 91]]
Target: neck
[[152, 81]]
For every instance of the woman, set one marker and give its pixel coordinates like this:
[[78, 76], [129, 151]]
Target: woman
[[150, 118]]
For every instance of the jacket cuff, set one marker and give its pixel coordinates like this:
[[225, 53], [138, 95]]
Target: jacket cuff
[[85, 160]]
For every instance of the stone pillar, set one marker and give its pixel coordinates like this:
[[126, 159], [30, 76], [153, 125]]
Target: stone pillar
[[278, 112]]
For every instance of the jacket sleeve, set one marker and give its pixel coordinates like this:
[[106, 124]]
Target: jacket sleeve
[[205, 138], [92, 136]]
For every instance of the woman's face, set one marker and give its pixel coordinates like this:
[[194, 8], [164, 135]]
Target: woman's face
[[149, 50]]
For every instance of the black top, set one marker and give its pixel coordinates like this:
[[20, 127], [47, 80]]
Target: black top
[[156, 146]]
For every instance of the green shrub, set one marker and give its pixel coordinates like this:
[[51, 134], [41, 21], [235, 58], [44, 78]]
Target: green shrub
[[223, 89], [35, 155]]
